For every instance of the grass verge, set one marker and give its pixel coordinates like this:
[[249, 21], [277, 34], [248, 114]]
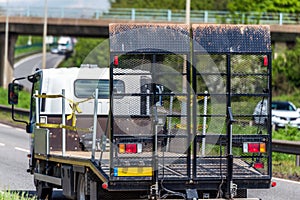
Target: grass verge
[[24, 98], [284, 166], [7, 195]]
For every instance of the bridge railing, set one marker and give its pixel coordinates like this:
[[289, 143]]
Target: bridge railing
[[157, 15]]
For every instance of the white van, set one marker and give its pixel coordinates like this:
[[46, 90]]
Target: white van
[[65, 45]]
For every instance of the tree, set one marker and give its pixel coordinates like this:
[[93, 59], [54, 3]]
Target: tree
[[286, 77], [284, 6], [171, 4], [248, 5]]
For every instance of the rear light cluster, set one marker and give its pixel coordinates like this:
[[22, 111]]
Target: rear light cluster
[[259, 165], [130, 148], [254, 147]]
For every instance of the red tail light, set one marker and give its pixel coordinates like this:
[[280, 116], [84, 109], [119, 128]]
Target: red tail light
[[254, 147], [265, 61], [130, 148], [259, 165], [116, 61]]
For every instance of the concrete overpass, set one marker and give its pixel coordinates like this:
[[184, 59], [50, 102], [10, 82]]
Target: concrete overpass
[[281, 34]]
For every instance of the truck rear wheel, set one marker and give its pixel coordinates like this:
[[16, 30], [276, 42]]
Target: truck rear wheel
[[81, 188]]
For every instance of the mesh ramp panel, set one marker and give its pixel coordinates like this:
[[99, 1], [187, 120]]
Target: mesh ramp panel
[[232, 68], [151, 57], [155, 38], [232, 38]]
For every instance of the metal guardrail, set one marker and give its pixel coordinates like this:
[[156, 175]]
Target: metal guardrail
[[18, 111], [289, 147], [156, 15]]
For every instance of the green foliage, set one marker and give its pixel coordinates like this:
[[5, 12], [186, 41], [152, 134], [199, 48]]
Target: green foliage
[[171, 4], [27, 50], [23, 39], [248, 5], [283, 165], [24, 98], [288, 133], [285, 6], [285, 71], [293, 97], [7, 195]]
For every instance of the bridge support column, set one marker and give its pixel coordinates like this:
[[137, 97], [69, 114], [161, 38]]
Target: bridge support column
[[7, 72]]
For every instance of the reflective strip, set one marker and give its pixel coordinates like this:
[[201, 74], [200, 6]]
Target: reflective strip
[[133, 171]]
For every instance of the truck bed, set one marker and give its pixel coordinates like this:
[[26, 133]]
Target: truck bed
[[171, 166]]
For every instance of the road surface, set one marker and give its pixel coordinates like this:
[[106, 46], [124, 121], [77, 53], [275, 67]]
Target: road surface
[[14, 146], [29, 64]]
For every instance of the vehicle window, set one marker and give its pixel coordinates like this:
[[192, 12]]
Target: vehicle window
[[282, 106], [274, 106], [84, 88], [291, 108], [36, 86]]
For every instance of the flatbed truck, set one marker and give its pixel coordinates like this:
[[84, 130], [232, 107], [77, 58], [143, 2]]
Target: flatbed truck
[[170, 118]]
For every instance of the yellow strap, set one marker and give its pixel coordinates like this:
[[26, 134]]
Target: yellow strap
[[43, 96], [75, 108], [183, 98], [183, 126], [74, 105], [72, 128]]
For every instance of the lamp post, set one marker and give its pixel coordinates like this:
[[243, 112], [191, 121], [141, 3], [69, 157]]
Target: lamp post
[[184, 79], [45, 35], [187, 11], [6, 66]]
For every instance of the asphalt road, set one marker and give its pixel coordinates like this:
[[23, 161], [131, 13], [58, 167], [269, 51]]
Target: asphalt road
[[14, 146], [285, 190], [29, 64]]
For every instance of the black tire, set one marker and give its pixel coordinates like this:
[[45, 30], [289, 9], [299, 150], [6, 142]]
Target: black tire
[[80, 193], [43, 192]]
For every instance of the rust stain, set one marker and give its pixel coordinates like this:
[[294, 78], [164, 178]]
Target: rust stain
[[115, 28]]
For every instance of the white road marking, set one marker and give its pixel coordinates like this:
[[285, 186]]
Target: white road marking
[[5, 126], [8, 126], [27, 59], [285, 180], [21, 149], [2, 145]]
